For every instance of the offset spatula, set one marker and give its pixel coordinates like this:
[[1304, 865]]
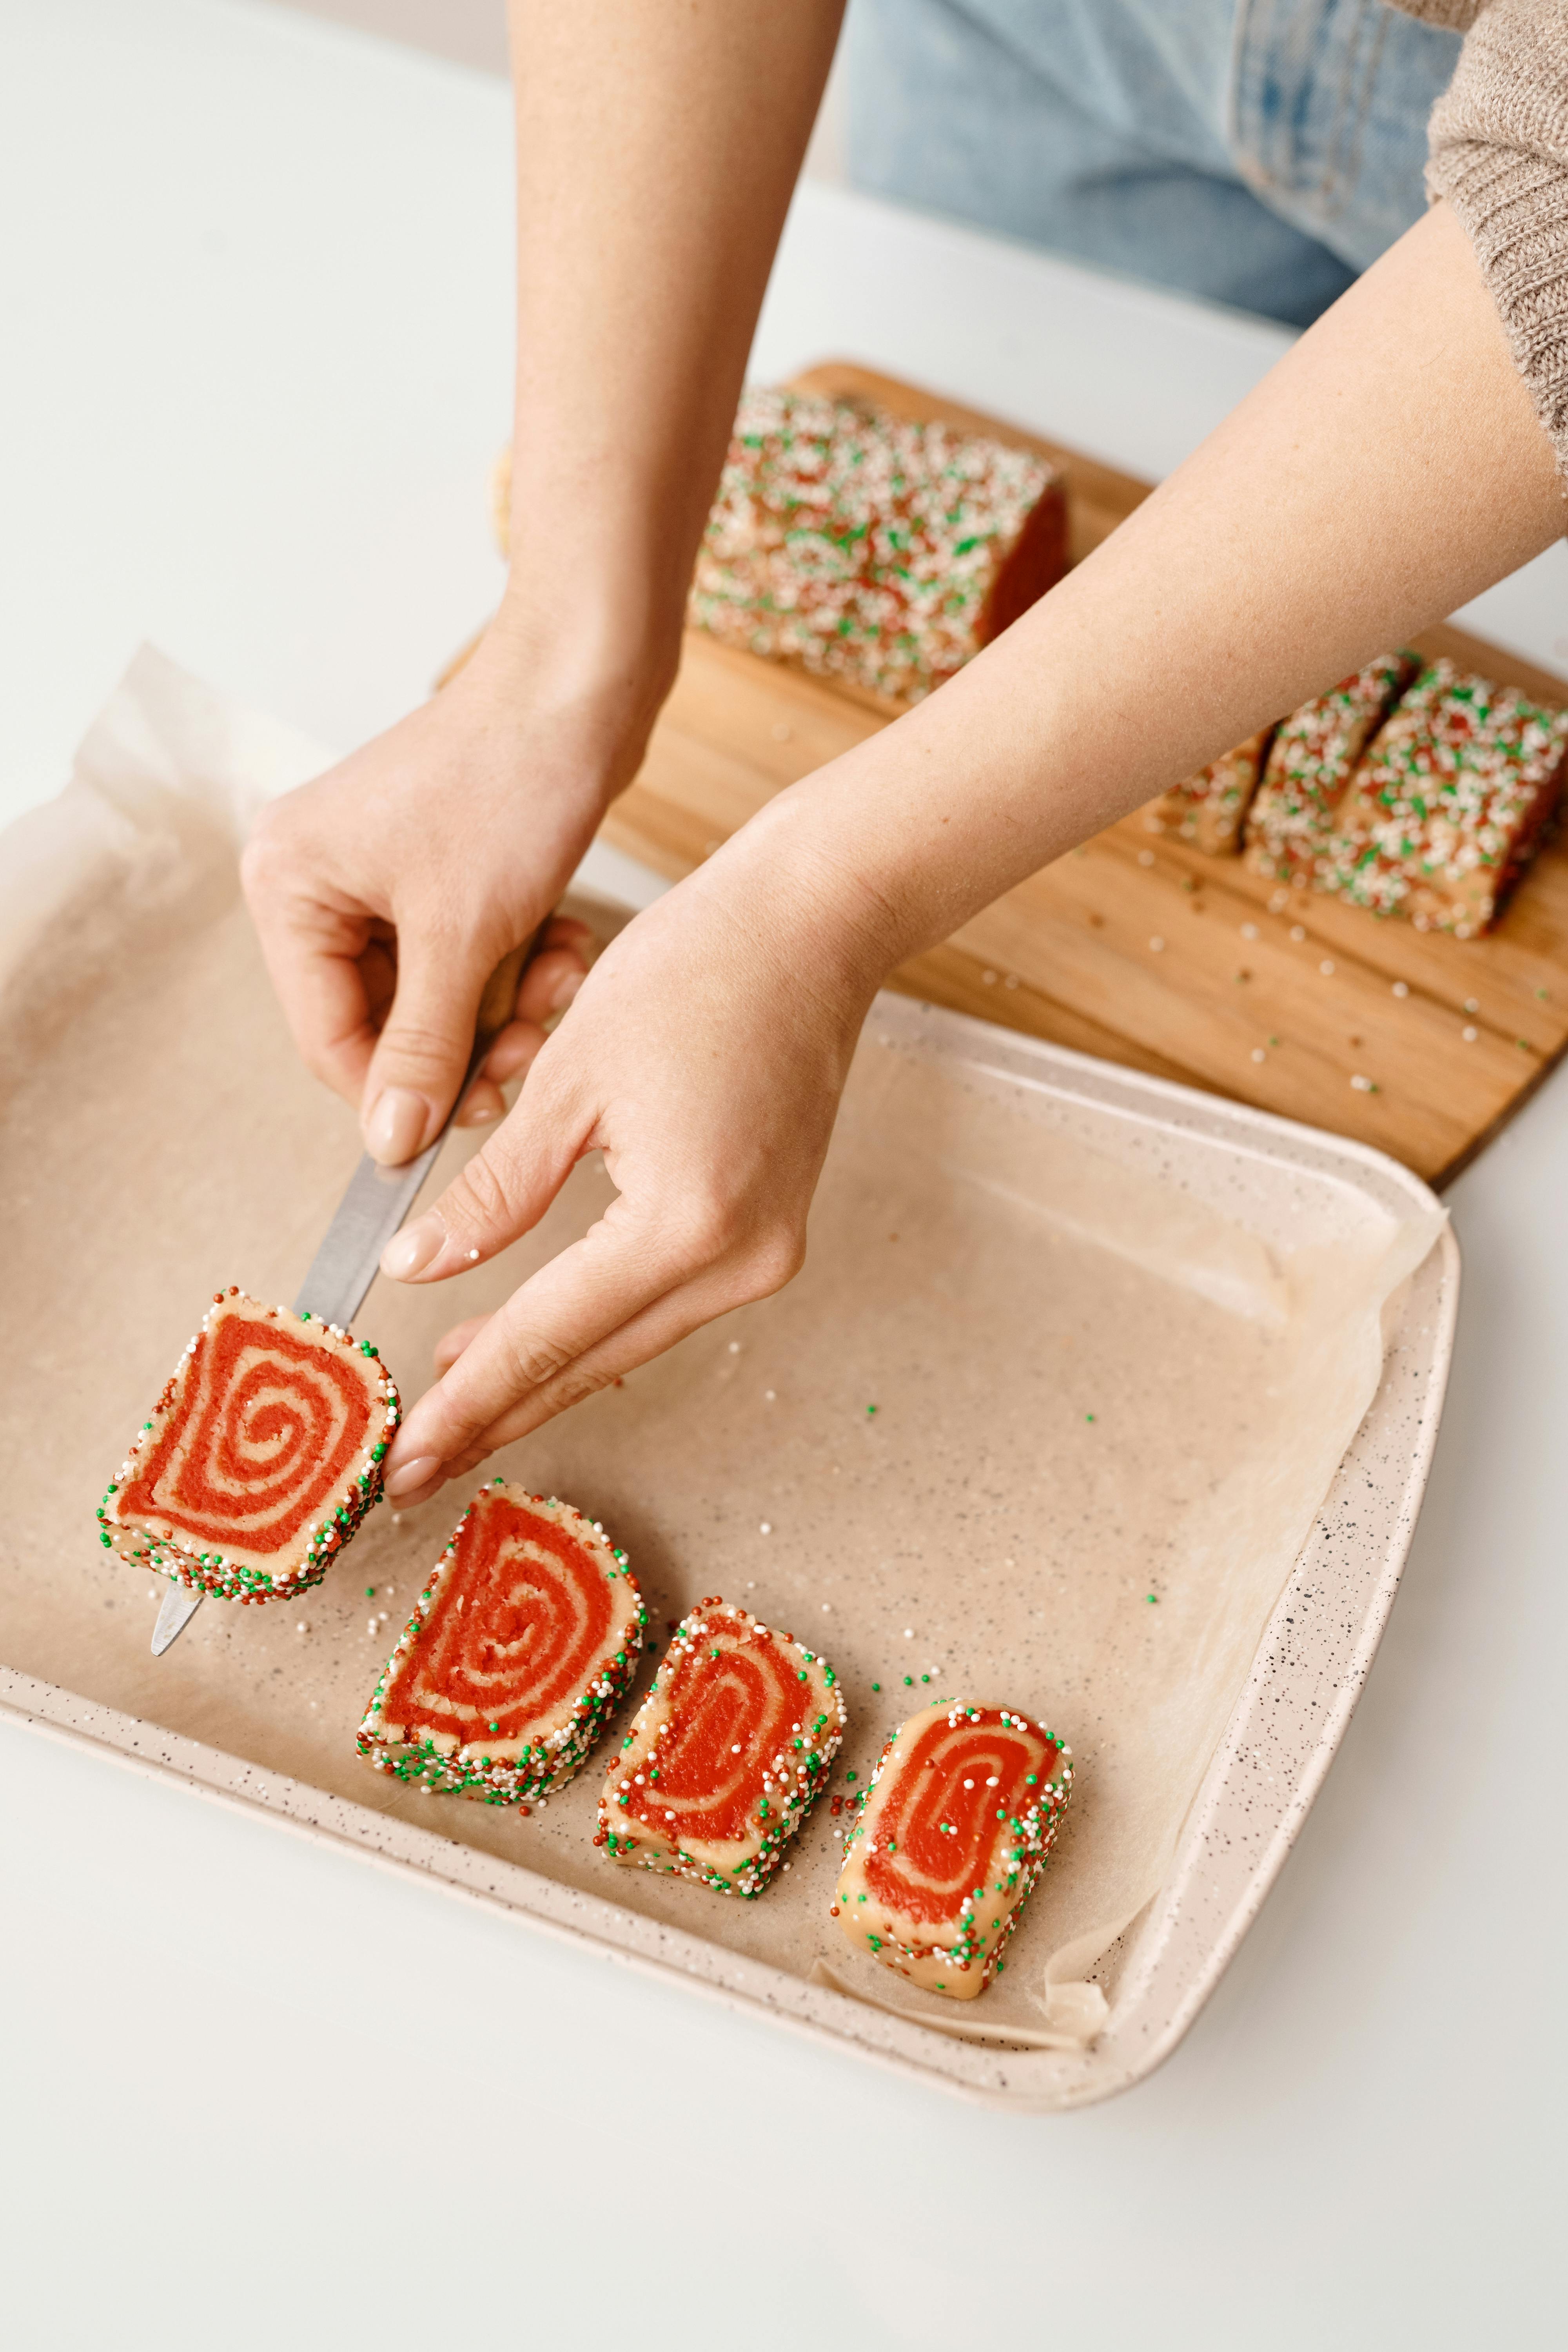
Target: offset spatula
[[371, 1210]]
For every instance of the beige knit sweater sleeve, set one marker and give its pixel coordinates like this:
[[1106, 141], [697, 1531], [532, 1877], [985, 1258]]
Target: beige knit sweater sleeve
[[1499, 153]]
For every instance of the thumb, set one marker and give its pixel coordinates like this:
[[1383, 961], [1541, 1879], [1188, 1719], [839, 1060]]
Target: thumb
[[425, 1044]]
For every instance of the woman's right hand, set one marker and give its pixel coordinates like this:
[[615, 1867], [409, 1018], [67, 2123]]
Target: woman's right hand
[[386, 891]]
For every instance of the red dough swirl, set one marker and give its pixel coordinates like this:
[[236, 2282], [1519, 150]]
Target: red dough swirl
[[529, 1635], [946, 1818], [731, 1712], [265, 1428]]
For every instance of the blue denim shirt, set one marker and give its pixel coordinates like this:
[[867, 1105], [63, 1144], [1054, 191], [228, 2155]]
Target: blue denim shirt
[[1260, 152]]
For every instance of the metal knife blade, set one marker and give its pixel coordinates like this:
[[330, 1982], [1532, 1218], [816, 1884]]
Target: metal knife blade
[[377, 1200]]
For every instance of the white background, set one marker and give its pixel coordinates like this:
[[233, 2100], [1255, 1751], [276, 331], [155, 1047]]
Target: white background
[[254, 281]]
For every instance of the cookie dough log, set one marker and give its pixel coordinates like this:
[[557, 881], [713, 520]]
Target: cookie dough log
[[1315, 755], [262, 1455], [1447, 808], [953, 1832], [727, 1754], [1209, 809], [525, 1638], [870, 548]]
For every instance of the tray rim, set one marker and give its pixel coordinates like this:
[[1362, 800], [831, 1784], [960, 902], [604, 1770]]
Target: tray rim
[[1175, 1960]]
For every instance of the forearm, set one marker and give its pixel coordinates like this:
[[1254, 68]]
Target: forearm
[[657, 148], [1391, 467]]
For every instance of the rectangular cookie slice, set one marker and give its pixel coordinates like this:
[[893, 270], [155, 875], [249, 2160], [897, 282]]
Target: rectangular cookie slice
[[1447, 806], [525, 1638], [1208, 810], [1315, 755], [953, 1832], [727, 1754], [262, 1456], [869, 547]]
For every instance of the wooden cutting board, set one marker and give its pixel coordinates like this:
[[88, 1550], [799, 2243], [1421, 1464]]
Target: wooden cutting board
[[1283, 1010]]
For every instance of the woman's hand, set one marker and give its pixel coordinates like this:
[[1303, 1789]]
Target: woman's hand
[[704, 1057], [386, 891]]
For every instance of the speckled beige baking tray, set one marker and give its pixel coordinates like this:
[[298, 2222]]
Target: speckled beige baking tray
[[1156, 1381]]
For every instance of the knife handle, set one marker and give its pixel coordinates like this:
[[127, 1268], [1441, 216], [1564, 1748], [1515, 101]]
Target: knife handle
[[497, 1006]]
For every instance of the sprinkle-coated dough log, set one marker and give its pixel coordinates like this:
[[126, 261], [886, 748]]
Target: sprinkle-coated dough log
[[870, 548], [1208, 810], [525, 1638], [262, 1455], [727, 1754], [1315, 755], [1447, 806], [953, 1832]]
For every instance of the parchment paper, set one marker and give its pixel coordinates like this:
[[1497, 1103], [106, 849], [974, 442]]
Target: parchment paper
[[1031, 1422]]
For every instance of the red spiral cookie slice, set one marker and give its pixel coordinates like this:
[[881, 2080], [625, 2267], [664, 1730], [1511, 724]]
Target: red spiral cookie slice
[[728, 1752], [262, 1458], [953, 1832], [522, 1641]]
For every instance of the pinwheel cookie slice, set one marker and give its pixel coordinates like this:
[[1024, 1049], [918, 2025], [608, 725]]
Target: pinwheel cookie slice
[[262, 1458], [523, 1639], [1210, 808], [726, 1755], [953, 1832], [1309, 770]]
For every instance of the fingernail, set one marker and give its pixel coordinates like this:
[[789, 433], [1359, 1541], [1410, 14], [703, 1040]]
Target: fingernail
[[392, 1130], [411, 1475], [486, 1102], [411, 1250], [566, 989]]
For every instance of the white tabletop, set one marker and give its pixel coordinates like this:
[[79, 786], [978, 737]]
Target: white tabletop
[[255, 280]]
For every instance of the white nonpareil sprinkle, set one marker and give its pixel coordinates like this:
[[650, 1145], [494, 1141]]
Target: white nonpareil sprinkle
[[1249, 930], [473, 1257], [1259, 1054], [1402, 988], [764, 1526], [1156, 947], [1327, 968], [301, 1627], [1297, 933], [909, 1632], [1363, 1086], [1472, 1004], [827, 1608], [772, 1395], [734, 1347], [1145, 858], [1470, 1034]]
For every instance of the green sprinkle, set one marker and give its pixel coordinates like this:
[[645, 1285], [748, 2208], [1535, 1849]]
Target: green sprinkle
[[876, 1687], [1088, 1417], [871, 1413]]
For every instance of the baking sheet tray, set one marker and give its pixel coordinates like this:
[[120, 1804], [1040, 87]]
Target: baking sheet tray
[[997, 1215]]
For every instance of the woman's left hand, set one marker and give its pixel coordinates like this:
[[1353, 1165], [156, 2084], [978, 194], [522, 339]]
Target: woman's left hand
[[704, 1057]]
